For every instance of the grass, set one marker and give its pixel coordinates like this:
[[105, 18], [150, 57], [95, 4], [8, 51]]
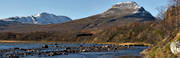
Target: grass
[[10, 41], [160, 51], [133, 44]]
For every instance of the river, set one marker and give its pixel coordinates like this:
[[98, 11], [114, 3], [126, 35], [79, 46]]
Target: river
[[97, 50]]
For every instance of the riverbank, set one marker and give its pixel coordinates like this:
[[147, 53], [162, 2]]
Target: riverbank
[[114, 43]]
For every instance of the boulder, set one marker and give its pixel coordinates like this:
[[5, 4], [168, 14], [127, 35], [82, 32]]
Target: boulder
[[45, 46], [175, 47]]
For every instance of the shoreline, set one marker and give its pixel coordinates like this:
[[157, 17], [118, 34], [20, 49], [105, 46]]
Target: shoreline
[[128, 44]]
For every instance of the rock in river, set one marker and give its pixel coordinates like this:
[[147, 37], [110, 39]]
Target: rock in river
[[45, 46]]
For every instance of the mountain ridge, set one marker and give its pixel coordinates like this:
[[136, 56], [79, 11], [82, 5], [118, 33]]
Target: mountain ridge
[[42, 18]]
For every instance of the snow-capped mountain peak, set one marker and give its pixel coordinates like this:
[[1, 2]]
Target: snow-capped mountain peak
[[129, 4], [42, 18], [127, 8]]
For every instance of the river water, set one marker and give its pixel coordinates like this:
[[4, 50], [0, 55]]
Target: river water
[[132, 52]]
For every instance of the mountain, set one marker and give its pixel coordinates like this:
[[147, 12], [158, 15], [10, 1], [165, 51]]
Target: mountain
[[42, 19], [120, 14], [129, 10]]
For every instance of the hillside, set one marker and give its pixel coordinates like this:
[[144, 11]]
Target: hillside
[[171, 22]]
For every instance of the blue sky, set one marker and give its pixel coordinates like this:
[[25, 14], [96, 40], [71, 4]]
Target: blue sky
[[74, 9]]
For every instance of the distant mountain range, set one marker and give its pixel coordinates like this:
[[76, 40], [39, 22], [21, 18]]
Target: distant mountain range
[[42, 19]]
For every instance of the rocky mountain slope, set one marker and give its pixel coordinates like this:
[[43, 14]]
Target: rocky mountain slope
[[42, 18], [129, 10]]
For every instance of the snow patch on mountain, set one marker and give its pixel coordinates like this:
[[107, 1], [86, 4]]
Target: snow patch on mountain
[[129, 7], [129, 4]]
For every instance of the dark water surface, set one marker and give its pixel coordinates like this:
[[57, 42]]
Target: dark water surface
[[130, 52]]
